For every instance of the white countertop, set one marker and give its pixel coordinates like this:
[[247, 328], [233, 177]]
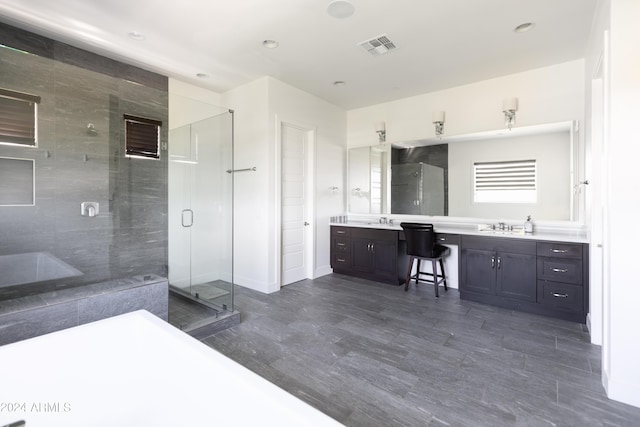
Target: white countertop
[[137, 370], [569, 236]]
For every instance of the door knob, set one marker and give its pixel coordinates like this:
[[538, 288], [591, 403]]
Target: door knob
[[306, 223]]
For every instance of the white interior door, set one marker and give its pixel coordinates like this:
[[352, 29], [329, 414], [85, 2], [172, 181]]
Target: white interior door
[[295, 223]]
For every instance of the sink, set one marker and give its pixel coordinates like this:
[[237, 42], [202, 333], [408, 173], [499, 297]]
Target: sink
[[494, 229]]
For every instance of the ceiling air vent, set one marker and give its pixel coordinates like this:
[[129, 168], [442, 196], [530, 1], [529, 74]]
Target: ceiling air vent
[[378, 46]]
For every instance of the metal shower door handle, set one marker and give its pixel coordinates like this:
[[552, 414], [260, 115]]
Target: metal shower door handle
[[190, 212]]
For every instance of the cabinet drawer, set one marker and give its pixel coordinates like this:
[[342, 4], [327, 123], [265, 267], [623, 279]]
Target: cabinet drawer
[[340, 261], [448, 239], [341, 244], [375, 234], [560, 295], [560, 270], [559, 250], [340, 231], [499, 244]]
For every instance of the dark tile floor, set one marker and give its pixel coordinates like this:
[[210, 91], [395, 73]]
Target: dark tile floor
[[369, 354]]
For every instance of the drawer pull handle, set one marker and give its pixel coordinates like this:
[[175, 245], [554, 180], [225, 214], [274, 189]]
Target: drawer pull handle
[[340, 232], [559, 251], [557, 295], [559, 270], [341, 244], [442, 239], [493, 262], [340, 259]]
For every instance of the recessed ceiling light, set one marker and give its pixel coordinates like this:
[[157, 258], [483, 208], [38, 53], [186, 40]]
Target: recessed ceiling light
[[339, 83], [340, 9], [136, 35], [523, 28], [270, 44], [202, 75]]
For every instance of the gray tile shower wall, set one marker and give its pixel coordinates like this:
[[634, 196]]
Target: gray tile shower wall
[[73, 165]]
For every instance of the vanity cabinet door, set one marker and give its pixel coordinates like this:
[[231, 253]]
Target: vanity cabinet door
[[372, 254], [385, 264], [361, 258], [516, 276], [478, 271]]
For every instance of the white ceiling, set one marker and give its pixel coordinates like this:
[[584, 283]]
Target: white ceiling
[[440, 43]]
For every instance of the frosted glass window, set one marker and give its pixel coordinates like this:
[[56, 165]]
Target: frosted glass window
[[16, 182]]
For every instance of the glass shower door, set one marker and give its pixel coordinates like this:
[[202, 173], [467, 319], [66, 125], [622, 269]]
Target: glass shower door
[[201, 210]]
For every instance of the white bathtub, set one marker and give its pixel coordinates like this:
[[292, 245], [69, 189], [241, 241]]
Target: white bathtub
[[18, 269], [135, 370]]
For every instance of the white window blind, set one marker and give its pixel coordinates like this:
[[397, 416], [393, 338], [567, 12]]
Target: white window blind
[[505, 181]]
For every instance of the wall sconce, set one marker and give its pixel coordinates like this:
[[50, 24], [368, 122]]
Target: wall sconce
[[438, 120], [509, 108], [381, 131]]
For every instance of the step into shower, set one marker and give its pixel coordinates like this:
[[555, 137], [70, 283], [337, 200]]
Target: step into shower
[[196, 319]]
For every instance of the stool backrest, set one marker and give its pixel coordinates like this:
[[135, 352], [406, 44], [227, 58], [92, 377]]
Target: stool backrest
[[421, 239]]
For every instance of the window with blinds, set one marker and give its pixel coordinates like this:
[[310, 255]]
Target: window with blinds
[[505, 182], [18, 118], [142, 137]]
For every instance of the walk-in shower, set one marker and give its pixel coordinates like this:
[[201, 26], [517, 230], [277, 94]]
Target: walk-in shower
[[201, 203], [75, 210]]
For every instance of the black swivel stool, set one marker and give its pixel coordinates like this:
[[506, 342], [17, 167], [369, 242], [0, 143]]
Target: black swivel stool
[[421, 245]]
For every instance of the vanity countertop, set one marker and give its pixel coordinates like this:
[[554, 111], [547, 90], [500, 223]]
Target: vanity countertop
[[472, 230]]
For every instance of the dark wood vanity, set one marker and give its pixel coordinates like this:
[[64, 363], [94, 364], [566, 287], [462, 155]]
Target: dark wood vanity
[[370, 253], [539, 276], [543, 277]]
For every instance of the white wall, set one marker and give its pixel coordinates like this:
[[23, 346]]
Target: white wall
[[253, 216], [259, 107], [621, 291], [188, 103], [545, 95]]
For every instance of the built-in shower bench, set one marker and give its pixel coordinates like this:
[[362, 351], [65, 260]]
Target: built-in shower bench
[[35, 315]]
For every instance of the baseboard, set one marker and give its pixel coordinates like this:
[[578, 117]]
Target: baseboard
[[265, 288], [322, 271], [624, 392]]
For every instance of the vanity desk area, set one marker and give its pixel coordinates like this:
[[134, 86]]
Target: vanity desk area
[[501, 178], [544, 273]]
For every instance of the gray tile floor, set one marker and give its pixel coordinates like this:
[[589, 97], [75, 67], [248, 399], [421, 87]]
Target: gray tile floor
[[369, 354]]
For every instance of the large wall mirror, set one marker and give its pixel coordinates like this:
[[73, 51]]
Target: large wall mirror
[[504, 174]]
